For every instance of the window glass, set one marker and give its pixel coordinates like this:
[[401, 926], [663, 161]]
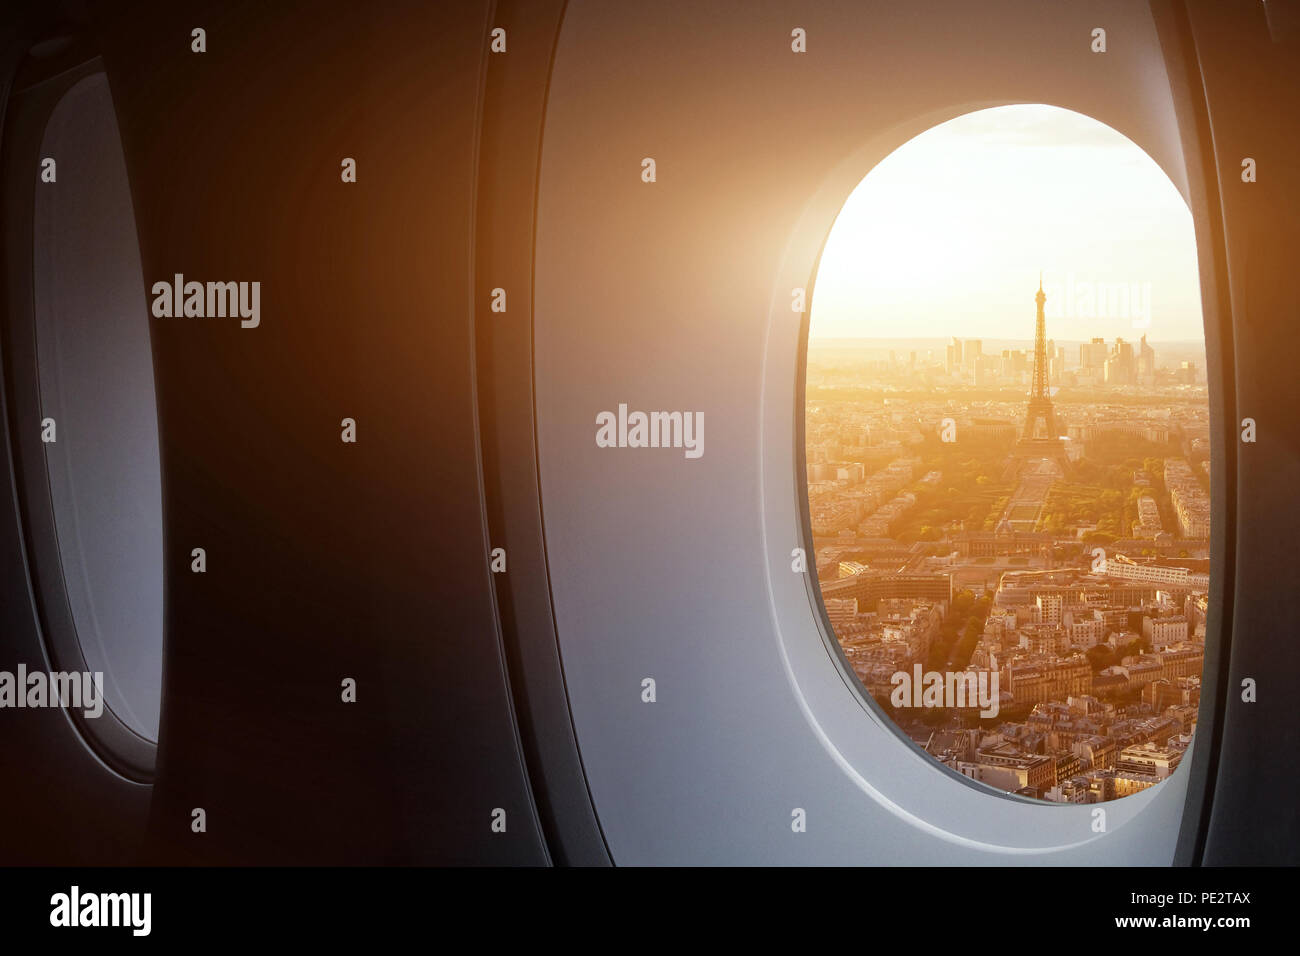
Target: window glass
[[1007, 450], [96, 383]]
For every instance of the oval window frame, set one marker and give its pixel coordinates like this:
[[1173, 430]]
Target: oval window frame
[[827, 628], [41, 84], [962, 812]]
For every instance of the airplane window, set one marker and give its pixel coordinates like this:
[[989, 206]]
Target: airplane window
[[96, 385], [1007, 453]]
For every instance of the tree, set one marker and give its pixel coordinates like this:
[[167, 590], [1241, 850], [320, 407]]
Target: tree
[[1099, 657]]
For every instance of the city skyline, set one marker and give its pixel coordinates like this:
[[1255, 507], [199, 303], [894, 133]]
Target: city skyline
[[957, 558], [1020, 586], [831, 341]]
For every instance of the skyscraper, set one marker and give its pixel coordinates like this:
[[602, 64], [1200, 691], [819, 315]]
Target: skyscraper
[[1093, 354], [1146, 367]]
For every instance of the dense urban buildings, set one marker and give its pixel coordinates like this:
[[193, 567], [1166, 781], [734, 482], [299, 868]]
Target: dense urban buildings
[[1032, 522]]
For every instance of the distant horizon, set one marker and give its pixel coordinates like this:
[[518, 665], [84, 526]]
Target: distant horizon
[[946, 339]]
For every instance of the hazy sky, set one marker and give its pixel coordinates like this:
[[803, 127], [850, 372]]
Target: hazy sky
[[946, 236]]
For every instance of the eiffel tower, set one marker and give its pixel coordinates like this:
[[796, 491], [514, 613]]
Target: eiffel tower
[[1040, 401]]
